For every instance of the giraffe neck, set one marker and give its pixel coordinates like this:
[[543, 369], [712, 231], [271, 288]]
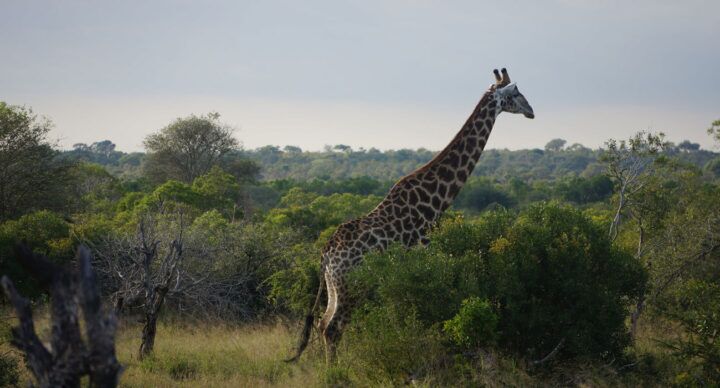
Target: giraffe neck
[[447, 172], [416, 201]]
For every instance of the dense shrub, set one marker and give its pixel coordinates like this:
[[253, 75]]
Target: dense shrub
[[530, 282], [556, 273], [480, 194], [695, 305], [45, 232], [390, 346]]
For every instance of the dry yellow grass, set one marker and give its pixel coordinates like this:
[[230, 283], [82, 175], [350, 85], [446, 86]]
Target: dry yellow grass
[[208, 355], [214, 355]]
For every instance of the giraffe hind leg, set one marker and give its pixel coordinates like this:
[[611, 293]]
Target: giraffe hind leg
[[333, 330]]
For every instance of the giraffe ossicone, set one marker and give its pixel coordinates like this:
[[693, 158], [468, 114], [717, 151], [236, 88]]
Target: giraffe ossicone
[[410, 209]]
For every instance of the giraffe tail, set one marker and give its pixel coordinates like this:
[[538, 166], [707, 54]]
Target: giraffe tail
[[309, 318]]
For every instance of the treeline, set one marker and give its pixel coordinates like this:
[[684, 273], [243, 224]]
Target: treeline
[[551, 261], [555, 161]]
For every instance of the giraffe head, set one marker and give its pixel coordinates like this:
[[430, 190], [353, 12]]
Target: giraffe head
[[509, 97]]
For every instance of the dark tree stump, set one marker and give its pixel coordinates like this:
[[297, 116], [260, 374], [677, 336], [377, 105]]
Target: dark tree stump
[[69, 358]]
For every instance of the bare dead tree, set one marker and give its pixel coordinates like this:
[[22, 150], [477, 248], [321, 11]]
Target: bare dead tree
[[156, 284], [69, 358], [629, 164]]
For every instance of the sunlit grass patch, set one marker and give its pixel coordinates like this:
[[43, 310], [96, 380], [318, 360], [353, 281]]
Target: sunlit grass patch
[[214, 355]]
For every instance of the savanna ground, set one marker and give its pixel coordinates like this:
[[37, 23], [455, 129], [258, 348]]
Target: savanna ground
[[218, 354]]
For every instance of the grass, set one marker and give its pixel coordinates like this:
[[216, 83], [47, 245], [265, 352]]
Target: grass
[[215, 355], [208, 355], [220, 355]]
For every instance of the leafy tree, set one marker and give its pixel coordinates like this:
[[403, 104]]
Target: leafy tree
[[243, 169], [292, 149], [685, 272], [479, 194], [45, 232], [714, 130], [555, 145], [188, 147], [220, 191], [94, 188], [314, 213], [629, 164], [585, 190], [713, 167], [101, 152], [688, 146], [31, 176]]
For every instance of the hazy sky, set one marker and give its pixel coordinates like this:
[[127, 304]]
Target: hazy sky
[[385, 74]]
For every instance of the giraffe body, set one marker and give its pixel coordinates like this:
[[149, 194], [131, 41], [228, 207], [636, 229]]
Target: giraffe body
[[410, 209]]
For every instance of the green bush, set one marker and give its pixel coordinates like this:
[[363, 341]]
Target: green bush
[[696, 306], [558, 277], [427, 281], [294, 288], [43, 231], [474, 325], [387, 346], [525, 283]]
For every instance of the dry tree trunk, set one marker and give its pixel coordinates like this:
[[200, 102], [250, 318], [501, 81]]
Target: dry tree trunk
[[69, 358], [155, 293], [151, 317]]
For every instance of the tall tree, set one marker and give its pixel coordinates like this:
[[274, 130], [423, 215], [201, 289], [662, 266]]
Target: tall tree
[[188, 147], [31, 176], [630, 164], [555, 145], [714, 130]]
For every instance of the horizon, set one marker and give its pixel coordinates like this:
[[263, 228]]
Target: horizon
[[388, 75]]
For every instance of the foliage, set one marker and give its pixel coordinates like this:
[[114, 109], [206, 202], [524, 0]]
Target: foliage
[[685, 272], [555, 145], [479, 194], [630, 164], [313, 213], [555, 272], [31, 176], [583, 191], [294, 288], [530, 282], [43, 231], [697, 308], [94, 189], [714, 130], [187, 148], [713, 167], [390, 345], [474, 325], [219, 190], [504, 280]]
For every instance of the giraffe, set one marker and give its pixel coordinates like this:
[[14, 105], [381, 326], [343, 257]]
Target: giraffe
[[410, 209]]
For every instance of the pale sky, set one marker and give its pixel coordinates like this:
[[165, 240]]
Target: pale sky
[[384, 74]]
